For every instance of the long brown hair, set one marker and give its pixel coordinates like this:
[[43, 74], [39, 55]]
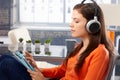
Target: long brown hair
[[88, 11]]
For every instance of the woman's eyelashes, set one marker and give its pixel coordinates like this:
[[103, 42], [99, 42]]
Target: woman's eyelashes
[[77, 21]]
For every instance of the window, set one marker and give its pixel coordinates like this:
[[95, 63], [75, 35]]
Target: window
[[48, 11], [42, 11]]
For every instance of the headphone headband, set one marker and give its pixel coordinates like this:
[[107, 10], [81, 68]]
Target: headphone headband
[[95, 4], [85, 0], [93, 26]]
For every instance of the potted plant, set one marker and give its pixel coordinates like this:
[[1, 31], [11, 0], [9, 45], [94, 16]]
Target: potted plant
[[47, 45], [20, 39], [37, 46], [48, 41], [28, 45], [28, 41], [20, 45]]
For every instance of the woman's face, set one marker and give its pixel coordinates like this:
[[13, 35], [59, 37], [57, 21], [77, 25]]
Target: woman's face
[[78, 25]]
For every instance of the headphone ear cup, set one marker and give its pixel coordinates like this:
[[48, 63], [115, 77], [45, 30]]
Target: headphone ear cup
[[93, 26]]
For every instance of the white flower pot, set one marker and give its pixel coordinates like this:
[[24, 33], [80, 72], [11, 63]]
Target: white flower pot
[[28, 47], [37, 48], [20, 47], [47, 49]]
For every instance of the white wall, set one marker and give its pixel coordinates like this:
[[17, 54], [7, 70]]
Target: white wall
[[111, 14]]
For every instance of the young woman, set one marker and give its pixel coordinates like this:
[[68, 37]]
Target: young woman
[[88, 61]]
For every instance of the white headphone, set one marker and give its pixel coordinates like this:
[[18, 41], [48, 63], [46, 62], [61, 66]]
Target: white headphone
[[93, 26]]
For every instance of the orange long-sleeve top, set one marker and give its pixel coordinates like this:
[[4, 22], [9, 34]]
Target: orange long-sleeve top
[[94, 68]]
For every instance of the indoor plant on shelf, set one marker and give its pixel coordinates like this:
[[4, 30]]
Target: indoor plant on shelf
[[20, 45], [37, 46], [47, 46], [28, 46]]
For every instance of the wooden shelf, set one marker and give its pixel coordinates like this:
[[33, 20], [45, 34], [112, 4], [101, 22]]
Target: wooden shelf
[[50, 59]]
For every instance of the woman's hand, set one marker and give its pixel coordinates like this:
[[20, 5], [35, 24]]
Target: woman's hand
[[30, 59], [36, 75]]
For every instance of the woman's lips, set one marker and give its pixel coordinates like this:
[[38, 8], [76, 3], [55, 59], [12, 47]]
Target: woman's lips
[[72, 30]]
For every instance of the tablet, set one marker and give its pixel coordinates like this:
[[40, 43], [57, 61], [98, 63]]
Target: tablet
[[21, 58]]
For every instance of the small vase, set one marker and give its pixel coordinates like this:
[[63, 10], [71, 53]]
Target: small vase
[[37, 48], [47, 49], [28, 47], [20, 47]]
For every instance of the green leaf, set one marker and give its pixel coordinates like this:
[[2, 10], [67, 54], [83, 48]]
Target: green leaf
[[20, 39], [48, 40], [47, 53], [29, 41], [37, 41]]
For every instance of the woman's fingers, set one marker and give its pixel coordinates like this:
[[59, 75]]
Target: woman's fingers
[[30, 59], [32, 73], [36, 75], [27, 54]]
